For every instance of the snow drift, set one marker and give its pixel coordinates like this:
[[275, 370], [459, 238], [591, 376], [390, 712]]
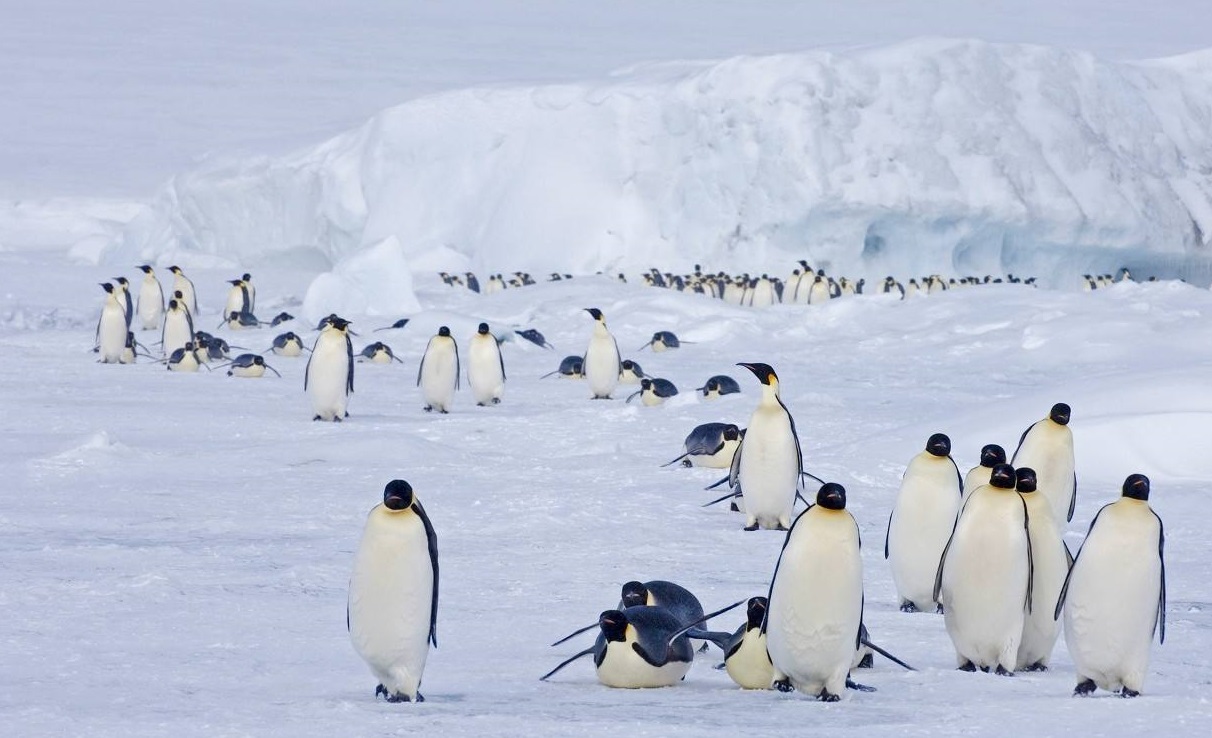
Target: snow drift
[[950, 156]]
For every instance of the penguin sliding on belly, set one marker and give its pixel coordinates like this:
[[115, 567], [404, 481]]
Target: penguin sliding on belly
[[656, 593], [710, 445], [654, 391], [570, 367]]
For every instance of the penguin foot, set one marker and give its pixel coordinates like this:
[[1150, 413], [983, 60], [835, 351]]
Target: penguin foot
[[429, 408], [686, 463], [381, 691], [720, 666], [496, 400], [1037, 666], [337, 418], [1084, 688], [827, 696], [1128, 693], [938, 610], [784, 685], [751, 527], [316, 418], [867, 662], [703, 648], [851, 684], [733, 507], [967, 666], [908, 606], [1001, 671]]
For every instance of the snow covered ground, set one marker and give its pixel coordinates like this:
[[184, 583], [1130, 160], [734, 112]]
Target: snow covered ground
[[177, 547]]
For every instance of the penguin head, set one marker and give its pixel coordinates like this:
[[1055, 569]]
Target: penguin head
[[247, 277], [939, 445], [628, 365], [172, 304], [755, 612], [234, 315], [595, 313], [1059, 414], [107, 287], [258, 360], [731, 432], [763, 372], [175, 269], [645, 384], [397, 495], [831, 496], [614, 626], [444, 331], [1024, 479], [634, 594], [1136, 486], [483, 329], [179, 294], [339, 324], [1003, 477], [992, 455], [146, 269], [122, 281], [712, 385]]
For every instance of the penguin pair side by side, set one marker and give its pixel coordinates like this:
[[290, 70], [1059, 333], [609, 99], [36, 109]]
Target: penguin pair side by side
[[188, 297], [392, 609], [656, 593], [329, 377]]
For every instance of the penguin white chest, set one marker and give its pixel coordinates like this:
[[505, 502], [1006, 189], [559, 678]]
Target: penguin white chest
[[439, 373], [177, 331], [328, 376], [749, 666], [151, 303], [1048, 449], [624, 668], [769, 468], [1049, 565], [111, 332], [602, 363], [921, 523], [390, 599], [721, 459]]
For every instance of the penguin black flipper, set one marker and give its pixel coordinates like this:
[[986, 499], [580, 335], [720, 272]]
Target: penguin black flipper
[[307, 370], [568, 661], [959, 476], [1160, 620], [657, 638], [1072, 500], [1060, 600], [888, 532], [575, 633], [1019, 447], [1030, 554], [867, 642], [431, 538], [734, 469], [677, 459], [718, 500], [458, 369], [350, 364], [799, 455]]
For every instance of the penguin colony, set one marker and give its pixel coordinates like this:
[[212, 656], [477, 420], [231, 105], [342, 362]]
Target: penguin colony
[[985, 550]]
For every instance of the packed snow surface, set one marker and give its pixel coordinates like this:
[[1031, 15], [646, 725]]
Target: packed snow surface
[[177, 547]]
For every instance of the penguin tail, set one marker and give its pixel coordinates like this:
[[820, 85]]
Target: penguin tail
[[566, 662]]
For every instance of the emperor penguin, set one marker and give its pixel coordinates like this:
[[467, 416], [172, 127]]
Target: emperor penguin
[[184, 359], [329, 377], [718, 386], [816, 600], [710, 445], [638, 647], [654, 391], [392, 613], [378, 353], [111, 326], [570, 366], [178, 328], [763, 293], [288, 344], [485, 367], [746, 659], [237, 298], [1114, 599], [629, 372], [675, 598], [921, 522], [151, 299], [1047, 447], [984, 576], [251, 366], [601, 360], [438, 375], [818, 293], [131, 350], [128, 302], [767, 464], [1050, 561], [991, 455], [181, 283]]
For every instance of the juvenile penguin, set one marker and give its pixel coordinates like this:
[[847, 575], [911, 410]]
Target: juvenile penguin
[[1114, 599], [329, 377], [1050, 561], [151, 299], [181, 283], [767, 465], [984, 576], [178, 328], [1047, 447], [921, 522], [654, 391], [438, 375], [638, 647], [485, 367], [746, 659], [392, 613], [991, 456], [601, 361], [710, 445], [111, 327], [816, 600]]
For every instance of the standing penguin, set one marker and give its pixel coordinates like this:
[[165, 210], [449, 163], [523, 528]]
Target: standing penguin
[[977, 476], [984, 576], [485, 367], [767, 465], [601, 361], [816, 599], [1114, 598], [181, 283], [393, 594], [438, 375], [128, 303], [178, 328], [1047, 447], [1050, 561], [921, 522], [237, 298], [111, 327], [151, 299], [329, 377]]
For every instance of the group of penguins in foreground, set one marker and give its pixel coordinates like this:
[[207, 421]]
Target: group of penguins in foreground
[[985, 550]]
